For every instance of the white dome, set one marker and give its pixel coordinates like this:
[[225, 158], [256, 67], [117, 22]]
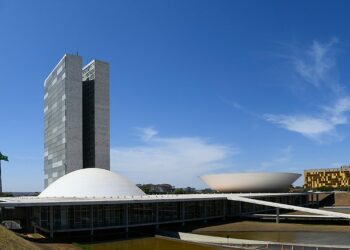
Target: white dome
[[91, 182]]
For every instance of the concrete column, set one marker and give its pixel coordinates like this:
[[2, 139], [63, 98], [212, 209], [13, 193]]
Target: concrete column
[[277, 215], [92, 220], [205, 211], [157, 215], [183, 212], [224, 209], [73, 215], [27, 225], [51, 221], [126, 217], [39, 216]]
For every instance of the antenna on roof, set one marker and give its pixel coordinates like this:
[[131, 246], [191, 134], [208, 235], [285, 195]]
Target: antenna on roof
[[77, 53]]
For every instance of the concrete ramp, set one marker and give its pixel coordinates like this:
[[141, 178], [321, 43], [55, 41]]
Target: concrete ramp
[[241, 243], [289, 207]]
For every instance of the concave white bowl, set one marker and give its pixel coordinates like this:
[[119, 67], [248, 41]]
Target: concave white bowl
[[250, 182]]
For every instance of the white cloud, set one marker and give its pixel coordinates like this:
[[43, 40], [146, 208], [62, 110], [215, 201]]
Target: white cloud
[[315, 65], [311, 127], [315, 126], [147, 133], [338, 111], [174, 160]]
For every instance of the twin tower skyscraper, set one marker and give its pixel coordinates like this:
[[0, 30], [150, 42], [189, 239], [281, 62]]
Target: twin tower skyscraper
[[76, 116]]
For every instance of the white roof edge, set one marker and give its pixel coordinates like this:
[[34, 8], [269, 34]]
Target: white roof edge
[[87, 65], [94, 61], [64, 56]]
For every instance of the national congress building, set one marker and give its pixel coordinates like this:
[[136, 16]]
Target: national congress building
[[76, 116], [82, 196]]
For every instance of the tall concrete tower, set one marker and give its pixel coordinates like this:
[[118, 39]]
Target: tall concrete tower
[[96, 144], [76, 116]]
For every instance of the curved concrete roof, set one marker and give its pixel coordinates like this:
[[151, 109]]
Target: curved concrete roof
[[250, 182], [91, 182]]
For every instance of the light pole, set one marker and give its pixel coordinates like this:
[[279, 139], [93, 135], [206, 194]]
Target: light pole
[[2, 158]]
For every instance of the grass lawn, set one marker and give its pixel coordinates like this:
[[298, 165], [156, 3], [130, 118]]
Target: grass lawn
[[9, 240]]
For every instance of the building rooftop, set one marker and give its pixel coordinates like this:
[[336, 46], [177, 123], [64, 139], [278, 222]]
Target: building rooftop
[[341, 168], [42, 201]]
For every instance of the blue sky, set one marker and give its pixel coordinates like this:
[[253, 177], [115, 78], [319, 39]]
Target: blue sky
[[196, 86]]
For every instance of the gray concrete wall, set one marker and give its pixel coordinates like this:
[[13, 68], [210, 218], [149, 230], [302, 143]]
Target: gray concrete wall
[[102, 112], [63, 119], [74, 131]]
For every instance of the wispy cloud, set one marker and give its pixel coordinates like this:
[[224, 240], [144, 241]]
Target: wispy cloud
[[237, 106], [147, 133], [315, 66], [175, 160], [311, 127], [315, 126]]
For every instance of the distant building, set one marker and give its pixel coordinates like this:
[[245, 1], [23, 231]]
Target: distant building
[[157, 188], [189, 190], [76, 117], [327, 177]]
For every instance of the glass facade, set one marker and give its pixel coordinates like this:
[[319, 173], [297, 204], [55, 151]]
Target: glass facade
[[121, 215], [83, 217], [169, 211], [142, 213]]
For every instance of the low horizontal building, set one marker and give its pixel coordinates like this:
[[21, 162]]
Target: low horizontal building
[[327, 177], [97, 199], [61, 215]]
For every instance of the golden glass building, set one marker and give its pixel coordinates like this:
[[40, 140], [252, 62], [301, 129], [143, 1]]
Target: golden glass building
[[327, 177]]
